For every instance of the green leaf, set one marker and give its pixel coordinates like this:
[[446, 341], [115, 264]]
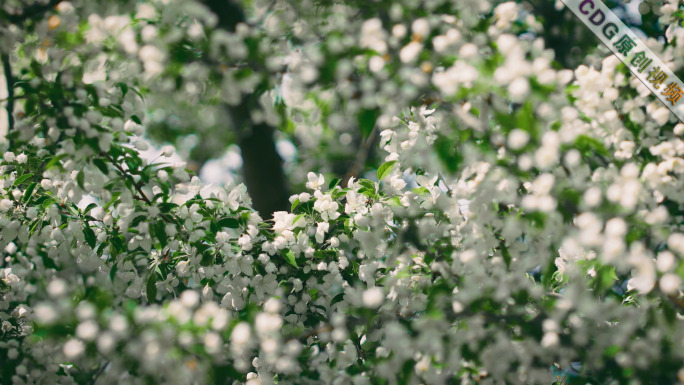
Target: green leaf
[[337, 298], [526, 119], [334, 183], [229, 222], [151, 287], [395, 201], [367, 184], [55, 161], [339, 193], [79, 179], [421, 190], [586, 143], [22, 179], [298, 217], [167, 207], [611, 351], [137, 220], [29, 191], [117, 243], [124, 88], [606, 276], [634, 234], [89, 236], [89, 207], [100, 249], [208, 259], [101, 165], [160, 233], [386, 169], [347, 224], [290, 258], [294, 205], [367, 120], [44, 201], [37, 68]]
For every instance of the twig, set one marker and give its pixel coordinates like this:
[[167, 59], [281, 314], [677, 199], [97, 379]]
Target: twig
[[441, 177], [99, 371], [123, 172], [311, 333], [7, 68], [362, 156], [14, 98], [138, 188]]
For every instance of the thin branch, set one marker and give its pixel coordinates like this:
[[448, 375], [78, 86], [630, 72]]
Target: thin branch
[[14, 98], [7, 68], [138, 188], [362, 156], [123, 172], [99, 372], [311, 333], [441, 177]]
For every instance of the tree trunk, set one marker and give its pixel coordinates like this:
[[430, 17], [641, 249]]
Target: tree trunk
[[262, 166]]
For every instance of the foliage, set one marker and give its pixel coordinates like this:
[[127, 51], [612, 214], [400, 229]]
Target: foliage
[[522, 223]]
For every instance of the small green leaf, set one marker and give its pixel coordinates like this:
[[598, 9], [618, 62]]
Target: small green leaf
[[89, 236], [167, 207], [152, 287], [334, 183], [137, 220], [37, 68], [100, 249], [290, 258], [44, 201], [367, 120], [89, 207], [421, 190], [101, 165], [347, 224], [208, 259], [586, 143], [117, 243], [79, 179], [337, 298], [29, 191], [160, 233], [386, 169], [55, 161], [395, 201], [339, 193], [294, 204], [298, 217], [611, 351], [367, 184], [124, 88], [229, 222], [22, 179]]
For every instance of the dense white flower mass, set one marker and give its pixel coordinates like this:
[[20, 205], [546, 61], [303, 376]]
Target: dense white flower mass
[[472, 202]]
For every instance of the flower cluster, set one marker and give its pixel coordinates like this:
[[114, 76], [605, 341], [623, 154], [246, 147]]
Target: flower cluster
[[521, 221]]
